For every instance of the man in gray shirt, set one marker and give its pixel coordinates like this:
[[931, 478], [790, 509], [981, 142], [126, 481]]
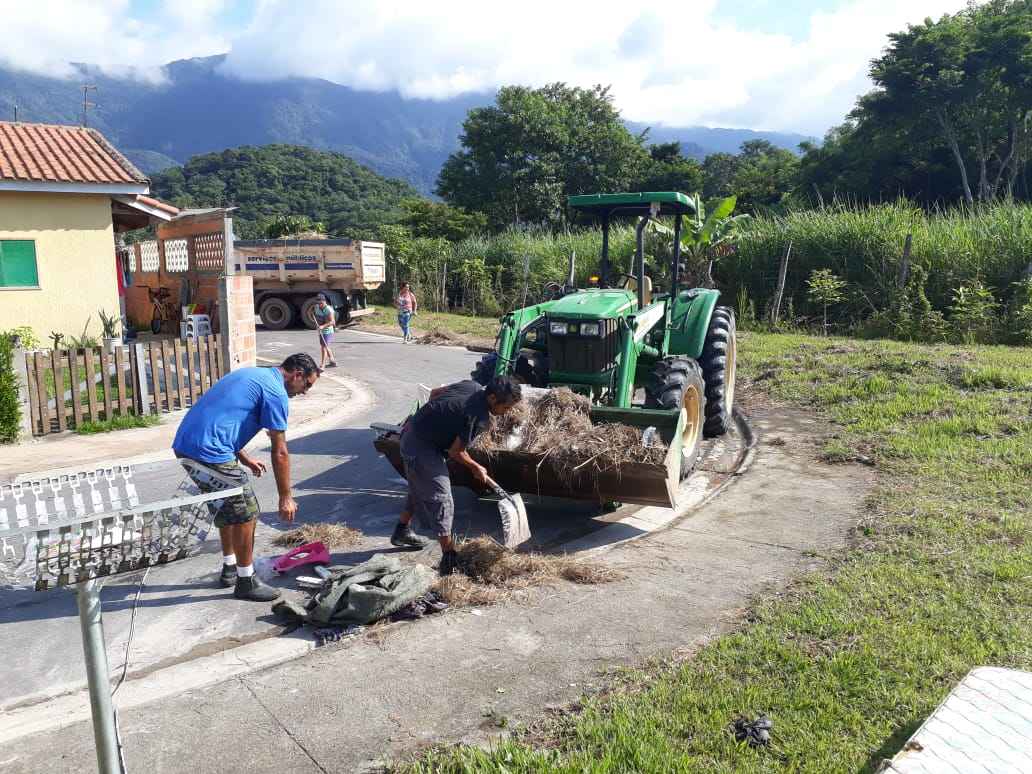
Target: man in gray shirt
[[443, 428]]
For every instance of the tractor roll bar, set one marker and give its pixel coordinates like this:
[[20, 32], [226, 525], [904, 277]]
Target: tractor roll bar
[[639, 259], [675, 272]]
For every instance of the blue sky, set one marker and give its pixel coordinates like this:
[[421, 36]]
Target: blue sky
[[791, 65]]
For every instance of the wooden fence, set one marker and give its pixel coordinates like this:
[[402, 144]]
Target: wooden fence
[[70, 387]]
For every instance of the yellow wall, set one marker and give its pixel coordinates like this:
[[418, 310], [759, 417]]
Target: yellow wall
[[75, 258]]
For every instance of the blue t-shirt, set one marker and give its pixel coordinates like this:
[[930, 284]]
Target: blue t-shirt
[[231, 413]]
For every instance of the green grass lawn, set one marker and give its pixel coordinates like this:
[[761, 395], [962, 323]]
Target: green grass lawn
[[463, 326], [118, 423], [850, 660]]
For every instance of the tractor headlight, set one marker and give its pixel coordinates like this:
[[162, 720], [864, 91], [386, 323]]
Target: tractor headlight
[[557, 328], [590, 329]]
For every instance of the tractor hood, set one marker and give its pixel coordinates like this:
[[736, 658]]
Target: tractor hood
[[594, 305]]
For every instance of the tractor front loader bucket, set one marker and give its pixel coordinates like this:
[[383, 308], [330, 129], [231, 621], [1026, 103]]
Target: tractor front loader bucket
[[536, 474]]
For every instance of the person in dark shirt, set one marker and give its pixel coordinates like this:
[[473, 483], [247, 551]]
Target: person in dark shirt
[[442, 429]]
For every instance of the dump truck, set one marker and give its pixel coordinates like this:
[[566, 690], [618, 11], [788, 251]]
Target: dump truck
[[289, 274], [661, 360]]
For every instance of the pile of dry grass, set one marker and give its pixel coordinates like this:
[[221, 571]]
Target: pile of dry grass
[[439, 336], [558, 426], [491, 573], [331, 535]]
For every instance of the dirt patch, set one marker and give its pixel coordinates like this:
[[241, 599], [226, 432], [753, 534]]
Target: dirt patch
[[491, 573], [332, 535]]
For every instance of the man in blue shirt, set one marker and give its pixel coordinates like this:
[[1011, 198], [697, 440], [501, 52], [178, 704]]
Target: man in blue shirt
[[211, 440]]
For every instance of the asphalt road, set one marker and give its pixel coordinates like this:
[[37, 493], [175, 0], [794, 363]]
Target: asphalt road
[[337, 476]]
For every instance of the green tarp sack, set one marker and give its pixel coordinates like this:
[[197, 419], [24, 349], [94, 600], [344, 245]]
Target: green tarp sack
[[362, 594]]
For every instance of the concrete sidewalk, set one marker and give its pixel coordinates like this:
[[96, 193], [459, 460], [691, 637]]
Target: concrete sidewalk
[[153, 444]]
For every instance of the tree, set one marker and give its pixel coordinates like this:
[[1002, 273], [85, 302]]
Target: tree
[[521, 157], [718, 173], [969, 74], [825, 288], [764, 175], [425, 218], [668, 169]]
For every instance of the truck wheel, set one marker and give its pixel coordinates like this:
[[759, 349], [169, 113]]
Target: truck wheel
[[677, 383], [484, 370], [308, 313], [276, 313], [718, 363]]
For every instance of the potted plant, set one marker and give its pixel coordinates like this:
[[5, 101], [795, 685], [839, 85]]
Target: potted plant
[[110, 323]]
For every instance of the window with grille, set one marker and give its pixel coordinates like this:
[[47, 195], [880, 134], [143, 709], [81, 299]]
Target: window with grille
[[18, 263]]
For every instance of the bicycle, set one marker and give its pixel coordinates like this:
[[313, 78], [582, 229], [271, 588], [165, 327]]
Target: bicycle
[[163, 310]]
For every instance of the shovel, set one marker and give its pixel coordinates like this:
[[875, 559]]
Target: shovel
[[515, 529]]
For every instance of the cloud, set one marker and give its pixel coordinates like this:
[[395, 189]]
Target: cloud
[[46, 36], [678, 65], [675, 65]]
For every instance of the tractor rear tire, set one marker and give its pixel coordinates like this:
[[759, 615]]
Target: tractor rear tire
[[484, 370], [677, 383], [277, 314], [718, 362]]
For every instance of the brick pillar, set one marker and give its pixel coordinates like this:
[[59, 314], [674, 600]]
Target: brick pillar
[[236, 317]]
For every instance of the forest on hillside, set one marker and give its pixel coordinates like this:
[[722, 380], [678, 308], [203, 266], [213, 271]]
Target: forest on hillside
[[279, 180]]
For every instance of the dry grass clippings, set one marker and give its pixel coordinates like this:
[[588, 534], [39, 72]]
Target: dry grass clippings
[[332, 535], [438, 336], [492, 573], [558, 425]]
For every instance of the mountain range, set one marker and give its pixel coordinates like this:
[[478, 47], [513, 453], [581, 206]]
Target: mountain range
[[198, 109]]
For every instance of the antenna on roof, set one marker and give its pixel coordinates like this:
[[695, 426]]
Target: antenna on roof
[[15, 105], [86, 104]]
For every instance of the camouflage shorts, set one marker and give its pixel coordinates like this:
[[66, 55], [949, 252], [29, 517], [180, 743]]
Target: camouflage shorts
[[238, 509]]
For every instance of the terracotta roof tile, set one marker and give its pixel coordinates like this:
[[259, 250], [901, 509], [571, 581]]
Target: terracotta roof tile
[[157, 203], [61, 154]]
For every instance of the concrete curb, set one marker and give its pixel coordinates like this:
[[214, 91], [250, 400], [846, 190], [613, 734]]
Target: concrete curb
[[70, 708]]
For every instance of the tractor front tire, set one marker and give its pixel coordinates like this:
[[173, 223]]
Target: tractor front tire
[[718, 362], [677, 383]]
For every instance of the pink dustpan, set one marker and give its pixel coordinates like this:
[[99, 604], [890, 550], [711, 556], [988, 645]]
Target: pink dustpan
[[310, 553]]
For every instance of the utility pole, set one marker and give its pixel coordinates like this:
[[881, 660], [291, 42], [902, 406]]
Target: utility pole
[[86, 104]]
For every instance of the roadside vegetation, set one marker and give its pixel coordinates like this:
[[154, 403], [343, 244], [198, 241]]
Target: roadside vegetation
[[965, 276], [129, 422], [849, 660]]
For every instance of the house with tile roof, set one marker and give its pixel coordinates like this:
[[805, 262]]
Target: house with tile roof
[[66, 194]]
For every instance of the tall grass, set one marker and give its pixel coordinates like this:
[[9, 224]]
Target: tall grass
[[864, 245]]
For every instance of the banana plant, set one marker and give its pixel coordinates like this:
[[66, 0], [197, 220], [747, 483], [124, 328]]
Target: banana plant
[[707, 237]]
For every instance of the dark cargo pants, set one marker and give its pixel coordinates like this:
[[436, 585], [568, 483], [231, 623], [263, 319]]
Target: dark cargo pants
[[429, 487]]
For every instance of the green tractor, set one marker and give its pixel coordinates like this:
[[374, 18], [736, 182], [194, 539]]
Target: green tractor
[[662, 360]]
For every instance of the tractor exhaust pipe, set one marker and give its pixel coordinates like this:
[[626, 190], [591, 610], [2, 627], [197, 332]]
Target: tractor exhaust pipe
[[573, 266]]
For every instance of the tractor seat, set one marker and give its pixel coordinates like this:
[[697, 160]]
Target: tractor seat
[[632, 285]]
